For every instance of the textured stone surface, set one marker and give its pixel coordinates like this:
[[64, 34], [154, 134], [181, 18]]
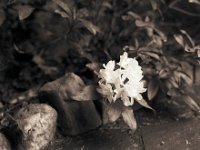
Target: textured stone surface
[[4, 144], [75, 117], [37, 123]]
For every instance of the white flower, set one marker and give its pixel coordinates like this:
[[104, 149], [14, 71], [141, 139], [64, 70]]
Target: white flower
[[135, 89], [106, 90], [123, 83], [108, 74], [124, 60]]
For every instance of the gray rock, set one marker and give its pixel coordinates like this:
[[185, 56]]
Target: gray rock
[[4, 144], [75, 116], [37, 123]]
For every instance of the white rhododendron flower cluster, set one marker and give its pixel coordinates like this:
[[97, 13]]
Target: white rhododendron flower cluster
[[122, 80]]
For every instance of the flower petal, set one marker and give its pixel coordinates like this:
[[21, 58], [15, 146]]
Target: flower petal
[[125, 82]]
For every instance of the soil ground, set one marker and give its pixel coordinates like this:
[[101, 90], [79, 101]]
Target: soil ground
[[155, 132]]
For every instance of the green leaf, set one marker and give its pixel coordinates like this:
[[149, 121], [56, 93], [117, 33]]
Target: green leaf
[[179, 39], [149, 26], [163, 74], [94, 67], [90, 26], [113, 113], [83, 13], [61, 13], [186, 78], [134, 15], [152, 88], [191, 103], [129, 118], [154, 4], [185, 41], [198, 53], [152, 54], [64, 6], [173, 92], [24, 11], [143, 103], [195, 1], [172, 82], [188, 37], [178, 75]]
